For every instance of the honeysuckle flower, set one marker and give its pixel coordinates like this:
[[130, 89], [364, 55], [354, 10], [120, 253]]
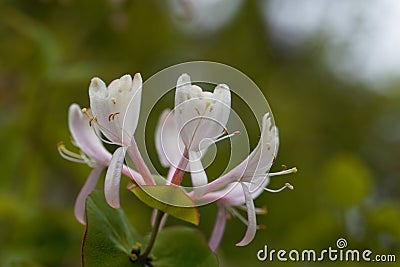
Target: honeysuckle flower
[[92, 152], [239, 187], [244, 183], [116, 107], [201, 118], [115, 111]]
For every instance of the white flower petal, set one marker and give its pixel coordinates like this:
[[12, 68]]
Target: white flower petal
[[88, 187], [200, 115], [117, 107], [198, 174], [169, 146], [85, 137], [219, 229], [257, 164], [251, 218], [113, 178]]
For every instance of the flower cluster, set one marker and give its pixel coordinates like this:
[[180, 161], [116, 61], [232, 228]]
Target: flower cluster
[[182, 137]]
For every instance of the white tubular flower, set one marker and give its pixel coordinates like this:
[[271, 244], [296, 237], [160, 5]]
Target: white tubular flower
[[244, 183], [116, 107], [200, 115], [116, 113], [92, 152], [201, 118], [169, 145]]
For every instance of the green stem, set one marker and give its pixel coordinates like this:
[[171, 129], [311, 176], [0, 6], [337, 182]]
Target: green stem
[[154, 233]]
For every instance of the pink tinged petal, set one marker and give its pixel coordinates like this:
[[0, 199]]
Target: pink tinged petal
[[85, 137], [219, 229], [170, 175], [163, 221], [257, 164], [87, 188], [113, 178], [153, 217], [251, 218], [137, 159], [179, 171], [234, 196], [168, 144], [158, 138], [133, 175], [197, 173]]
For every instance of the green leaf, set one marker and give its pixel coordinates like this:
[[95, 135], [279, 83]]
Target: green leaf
[[182, 246], [109, 237], [169, 199]]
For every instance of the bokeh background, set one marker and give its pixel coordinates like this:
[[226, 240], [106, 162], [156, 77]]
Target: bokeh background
[[329, 69]]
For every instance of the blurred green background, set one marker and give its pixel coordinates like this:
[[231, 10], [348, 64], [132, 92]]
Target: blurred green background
[[342, 134]]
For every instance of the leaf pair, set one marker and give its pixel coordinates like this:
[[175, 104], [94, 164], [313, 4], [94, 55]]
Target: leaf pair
[[110, 240]]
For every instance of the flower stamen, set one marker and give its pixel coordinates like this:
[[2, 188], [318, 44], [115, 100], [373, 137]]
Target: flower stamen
[[236, 214], [227, 136], [287, 185], [260, 211], [112, 116], [69, 155], [283, 172]]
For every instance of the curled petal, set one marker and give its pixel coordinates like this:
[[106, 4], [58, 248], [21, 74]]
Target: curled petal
[[113, 178], [85, 137], [219, 228], [257, 164], [251, 218], [87, 188]]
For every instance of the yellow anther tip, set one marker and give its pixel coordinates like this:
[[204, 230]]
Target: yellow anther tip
[[294, 170], [208, 104], [84, 110], [291, 187], [61, 146]]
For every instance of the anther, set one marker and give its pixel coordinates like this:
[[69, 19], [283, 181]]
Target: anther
[[94, 118], [261, 227], [262, 210], [60, 145], [287, 185], [112, 116], [287, 171], [227, 136], [197, 110], [113, 100], [291, 187], [68, 155]]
